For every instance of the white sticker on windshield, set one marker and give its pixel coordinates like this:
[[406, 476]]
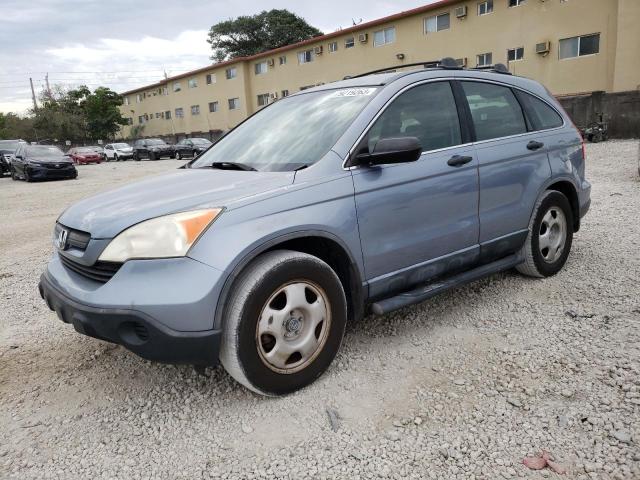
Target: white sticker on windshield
[[354, 92]]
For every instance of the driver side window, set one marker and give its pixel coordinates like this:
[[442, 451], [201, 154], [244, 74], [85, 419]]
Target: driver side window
[[427, 112]]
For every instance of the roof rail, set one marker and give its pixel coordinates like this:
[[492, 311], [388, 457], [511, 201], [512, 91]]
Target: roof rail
[[446, 63], [496, 68]]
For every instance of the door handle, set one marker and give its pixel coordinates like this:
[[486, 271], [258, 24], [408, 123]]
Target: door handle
[[458, 160], [533, 145]]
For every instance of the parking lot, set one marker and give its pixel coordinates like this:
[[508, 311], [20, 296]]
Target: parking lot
[[463, 386]]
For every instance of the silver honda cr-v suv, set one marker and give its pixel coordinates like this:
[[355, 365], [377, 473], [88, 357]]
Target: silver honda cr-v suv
[[364, 195]]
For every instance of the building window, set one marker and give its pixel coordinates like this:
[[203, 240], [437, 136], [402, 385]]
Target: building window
[[349, 42], [157, 114], [146, 117], [461, 62], [485, 59], [167, 115], [213, 107], [192, 83], [195, 109], [516, 3], [179, 112], [263, 99], [579, 46], [140, 119], [515, 54], [305, 57], [234, 103], [232, 73], [283, 60], [138, 98], [383, 37], [437, 23], [126, 100], [333, 47], [260, 68], [285, 93], [485, 8], [211, 78], [176, 86]]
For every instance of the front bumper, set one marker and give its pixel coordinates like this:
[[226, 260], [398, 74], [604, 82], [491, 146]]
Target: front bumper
[[172, 300], [45, 173], [136, 331]]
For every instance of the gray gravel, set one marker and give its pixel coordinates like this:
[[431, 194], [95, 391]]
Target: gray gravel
[[464, 386]]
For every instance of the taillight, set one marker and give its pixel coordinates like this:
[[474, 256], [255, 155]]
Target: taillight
[[584, 151]]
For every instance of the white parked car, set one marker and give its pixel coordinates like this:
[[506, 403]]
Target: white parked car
[[117, 151]]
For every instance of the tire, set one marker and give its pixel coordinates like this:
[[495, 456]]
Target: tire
[[136, 157], [115, 158], [152, 156], [258, 293], [14, 176], [27, 178], [552, 219], [178, 156]]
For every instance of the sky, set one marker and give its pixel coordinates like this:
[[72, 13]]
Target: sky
[[123, 44]]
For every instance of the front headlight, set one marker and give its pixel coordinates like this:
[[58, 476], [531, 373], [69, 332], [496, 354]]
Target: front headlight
[[162, 237]]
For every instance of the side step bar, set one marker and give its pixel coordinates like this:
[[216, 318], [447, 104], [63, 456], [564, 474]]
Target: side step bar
[[420, 294]]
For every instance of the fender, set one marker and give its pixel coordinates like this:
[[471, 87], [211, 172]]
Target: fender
[[359, 294]]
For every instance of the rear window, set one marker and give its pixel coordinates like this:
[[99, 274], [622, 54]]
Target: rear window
[[541, 115], [495, 110]]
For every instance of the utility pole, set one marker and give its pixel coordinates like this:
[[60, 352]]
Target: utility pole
[[33, 95], [46, 78]]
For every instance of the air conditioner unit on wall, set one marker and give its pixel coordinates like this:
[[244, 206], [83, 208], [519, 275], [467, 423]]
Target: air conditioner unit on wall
[[543, 48], [318, 50], [271, 62], [461, 12], [363, 37]]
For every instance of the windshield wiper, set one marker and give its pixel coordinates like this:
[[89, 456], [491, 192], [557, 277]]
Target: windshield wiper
[[231, 166]]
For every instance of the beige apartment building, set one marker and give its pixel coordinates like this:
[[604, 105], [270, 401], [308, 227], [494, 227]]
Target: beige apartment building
[[572, 46]]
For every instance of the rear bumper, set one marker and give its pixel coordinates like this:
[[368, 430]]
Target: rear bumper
[[135, 330]]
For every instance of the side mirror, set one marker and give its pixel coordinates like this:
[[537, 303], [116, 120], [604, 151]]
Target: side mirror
[[391, 150]]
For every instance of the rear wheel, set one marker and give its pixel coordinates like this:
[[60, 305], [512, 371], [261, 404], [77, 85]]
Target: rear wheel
[[14, 176], [284, 322], [550, 236]]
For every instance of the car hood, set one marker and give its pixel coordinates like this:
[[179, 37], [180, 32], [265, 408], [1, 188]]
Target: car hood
[[49, 159], [107, 214]]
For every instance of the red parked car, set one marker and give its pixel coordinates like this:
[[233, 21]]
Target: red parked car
[[84, 155]]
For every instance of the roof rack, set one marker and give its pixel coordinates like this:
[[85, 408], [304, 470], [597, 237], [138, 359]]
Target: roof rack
[[446, 63], [496, 68]]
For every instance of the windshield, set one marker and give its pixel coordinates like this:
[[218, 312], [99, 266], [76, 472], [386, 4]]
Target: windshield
[[44, 151], [200, 141], [155, 141], [291, 133], [85, 150], [9, 144], [120, 145]]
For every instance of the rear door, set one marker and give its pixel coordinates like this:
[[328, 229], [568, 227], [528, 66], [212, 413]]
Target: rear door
[[418, 220], [513, 166]]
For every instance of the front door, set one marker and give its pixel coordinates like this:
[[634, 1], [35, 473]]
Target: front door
[[418, 220]]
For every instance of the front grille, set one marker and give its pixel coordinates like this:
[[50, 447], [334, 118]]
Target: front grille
[[75, 239], [100, 271]]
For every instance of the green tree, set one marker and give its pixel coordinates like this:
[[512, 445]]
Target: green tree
[[79, 115], [249, 35], [13, 126]]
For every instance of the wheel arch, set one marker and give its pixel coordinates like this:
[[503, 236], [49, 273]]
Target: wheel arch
[[320, 244], [568, 189]]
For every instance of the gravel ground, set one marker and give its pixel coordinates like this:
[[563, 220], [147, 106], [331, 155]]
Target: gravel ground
[[464, 386]]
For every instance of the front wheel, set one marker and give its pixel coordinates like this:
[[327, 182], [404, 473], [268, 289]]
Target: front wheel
[[14, 175], [284, 322], [550, 236], [115, 158], [178, 156]]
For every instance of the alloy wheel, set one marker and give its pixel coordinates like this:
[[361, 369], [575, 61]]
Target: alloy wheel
[[552, 235]]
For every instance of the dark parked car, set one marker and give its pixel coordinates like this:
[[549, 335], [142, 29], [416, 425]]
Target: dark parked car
[[152, 148], [191, 147], [7, 148], [41, 162], [84, 155]]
